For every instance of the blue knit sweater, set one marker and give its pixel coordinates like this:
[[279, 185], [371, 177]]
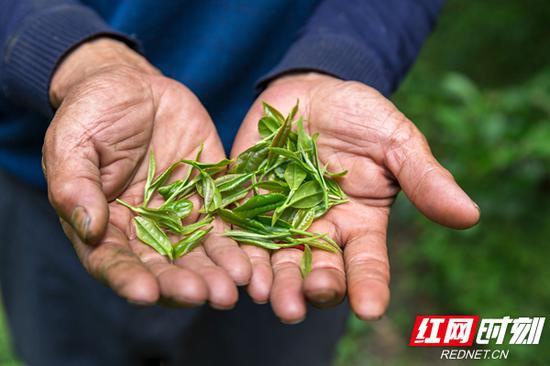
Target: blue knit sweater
[[220, 49]]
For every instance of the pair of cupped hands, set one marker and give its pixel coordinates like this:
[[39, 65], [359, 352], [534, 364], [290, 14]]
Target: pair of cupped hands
[[113, 108]]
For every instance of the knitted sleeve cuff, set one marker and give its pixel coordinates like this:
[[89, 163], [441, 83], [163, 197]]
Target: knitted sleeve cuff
[[43, 39]]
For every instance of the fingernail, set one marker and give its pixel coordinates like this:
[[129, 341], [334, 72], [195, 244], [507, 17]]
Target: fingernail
[[222, 307], [241, 282], [138, 303], [292, 322], [476, 206], [80, 221], [322, 297]]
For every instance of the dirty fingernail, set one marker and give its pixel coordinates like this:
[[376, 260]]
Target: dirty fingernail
[[80, 221]]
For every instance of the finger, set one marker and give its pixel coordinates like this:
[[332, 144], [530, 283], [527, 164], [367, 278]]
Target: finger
[[74, 186], [368, 273], [430, 187], [114, 263], [287, 298], [221, 288], [261, 281], [178, 286], [325, 285], [227, 254]]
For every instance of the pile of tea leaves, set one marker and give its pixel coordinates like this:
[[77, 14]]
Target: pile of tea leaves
[[270, 195]]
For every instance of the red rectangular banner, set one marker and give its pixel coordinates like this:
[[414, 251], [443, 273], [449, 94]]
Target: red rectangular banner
[[444, 330]]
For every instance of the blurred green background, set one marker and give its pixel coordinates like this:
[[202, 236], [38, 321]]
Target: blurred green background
[[480, 91]]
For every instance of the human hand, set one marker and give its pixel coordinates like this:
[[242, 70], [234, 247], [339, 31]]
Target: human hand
[[364, 133], [114, 107]]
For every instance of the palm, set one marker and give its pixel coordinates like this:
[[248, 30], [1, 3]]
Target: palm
[[164, 117], [361, 132]]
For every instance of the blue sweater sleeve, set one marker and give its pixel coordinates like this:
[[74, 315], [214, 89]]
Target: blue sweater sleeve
[[34, 37], [372, 41]]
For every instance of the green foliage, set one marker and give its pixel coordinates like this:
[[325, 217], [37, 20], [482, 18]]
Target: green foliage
[[6, 357]]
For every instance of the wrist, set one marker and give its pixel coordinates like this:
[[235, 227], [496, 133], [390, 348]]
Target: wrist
[[90, 58]]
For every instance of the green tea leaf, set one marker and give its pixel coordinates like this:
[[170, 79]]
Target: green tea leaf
[[239, 234], [147, 191], [273, 186], [277, 213], [250, 160], [288, 214], [335, 189], [182, 208], [303, 218], [313, 240], [279, 140], [178, 189], [304, 141], [149, 233], [162, 217], [251, 240], [182, 182], [294, 110], [173, 190], [223, 179], [320, 176], [292, 156], [267, 126], [280, 172], [189, 243], [199, 152], [267, 171], [259, 204], [210, 168], [234, 196], [306, 263], [189, 229], [167, 190], [308, 195], [294, 176], [269, 111], [164, 176], [315, 154], [335, 175], [266, 221], [231, 181], [210, 194], [244, 223]]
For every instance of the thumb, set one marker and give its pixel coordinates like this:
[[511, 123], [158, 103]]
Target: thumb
[[429, 186], [74, 186]]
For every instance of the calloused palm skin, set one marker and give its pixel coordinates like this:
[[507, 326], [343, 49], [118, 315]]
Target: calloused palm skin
[[96, 149], [364, 133]]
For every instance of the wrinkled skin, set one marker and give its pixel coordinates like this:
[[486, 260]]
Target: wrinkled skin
[[96, 149], [364, 133]]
